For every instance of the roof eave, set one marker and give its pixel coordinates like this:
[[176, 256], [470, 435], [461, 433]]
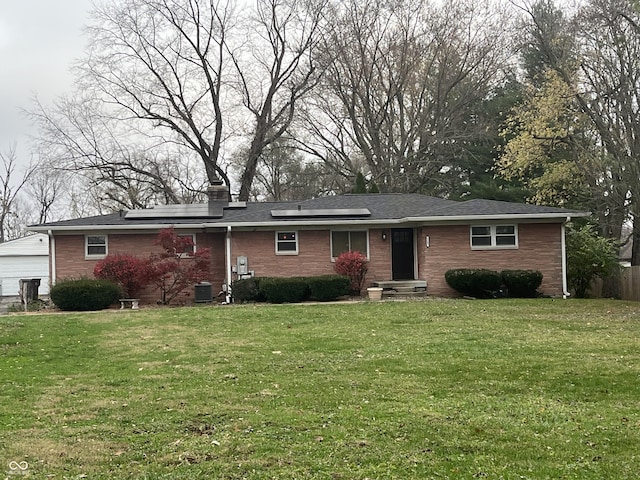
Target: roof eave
[[311, 223], [136, 226], [493, 217]]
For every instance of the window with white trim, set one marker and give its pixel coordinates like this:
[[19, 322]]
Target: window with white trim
[[349, 240], [95, 246], [494, 236], [286, 243]]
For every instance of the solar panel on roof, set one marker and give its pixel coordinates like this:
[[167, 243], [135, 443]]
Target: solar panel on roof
[[322, 212], [200, 210]]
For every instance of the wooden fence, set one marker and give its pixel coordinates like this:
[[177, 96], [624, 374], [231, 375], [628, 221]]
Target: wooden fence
[[629, 285]]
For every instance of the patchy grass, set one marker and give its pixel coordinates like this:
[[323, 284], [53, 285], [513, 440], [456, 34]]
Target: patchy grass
[[513, 389]]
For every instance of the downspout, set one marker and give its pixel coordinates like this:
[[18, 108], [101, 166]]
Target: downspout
[[228, 263], [565, 292], [52, 255]]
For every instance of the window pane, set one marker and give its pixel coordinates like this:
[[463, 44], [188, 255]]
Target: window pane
[[286, 242], [481, 241], [481, 231], [286, 246], [505, 230], [339, 243], [359, 242], [186, 244], [287, 236], [96, 245], [96, 240], [96, 250], [506, 240]]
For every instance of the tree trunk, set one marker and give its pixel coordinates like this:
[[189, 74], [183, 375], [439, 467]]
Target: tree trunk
[[249, 173]]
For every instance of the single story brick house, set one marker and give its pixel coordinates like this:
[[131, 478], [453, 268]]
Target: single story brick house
[[404, 236]]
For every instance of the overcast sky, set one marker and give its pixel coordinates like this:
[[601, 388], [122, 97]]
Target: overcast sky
[[39, 39]]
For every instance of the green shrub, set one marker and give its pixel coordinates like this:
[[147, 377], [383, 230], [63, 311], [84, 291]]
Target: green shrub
[[481, 283], [284, 290], [589, 256], [246, 290], [84, 294], [328, 287], [521, 283]]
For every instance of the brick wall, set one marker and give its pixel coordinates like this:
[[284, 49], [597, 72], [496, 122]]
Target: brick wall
[[539, 249], [314, 254], [71, 262]]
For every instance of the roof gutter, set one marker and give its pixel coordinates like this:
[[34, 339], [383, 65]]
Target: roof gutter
[[565, 290], [137, 226], [307, 223], [52, 253], [399, 221], [228, 262]]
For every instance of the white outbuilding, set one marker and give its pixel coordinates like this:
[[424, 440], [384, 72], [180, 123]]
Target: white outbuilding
[[24, 258]]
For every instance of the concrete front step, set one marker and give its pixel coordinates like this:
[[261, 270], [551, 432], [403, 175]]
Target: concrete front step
[[402, 288], [397, 294], [413, 285]]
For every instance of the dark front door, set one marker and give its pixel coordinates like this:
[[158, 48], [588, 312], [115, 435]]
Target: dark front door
[[402, 253]]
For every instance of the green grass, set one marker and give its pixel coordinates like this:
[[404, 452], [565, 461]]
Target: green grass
[[510, 389]]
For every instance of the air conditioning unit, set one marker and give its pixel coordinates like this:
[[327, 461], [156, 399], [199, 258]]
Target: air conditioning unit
[[203, 292]]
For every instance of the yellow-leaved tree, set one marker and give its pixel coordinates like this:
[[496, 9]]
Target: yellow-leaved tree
[[547, 146]]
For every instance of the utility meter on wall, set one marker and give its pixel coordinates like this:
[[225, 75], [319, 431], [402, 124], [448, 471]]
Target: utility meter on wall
[[243, 266]]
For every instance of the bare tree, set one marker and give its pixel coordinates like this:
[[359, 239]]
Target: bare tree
[[610, 96], [273, 79], [400, 87], [46, 188], [284, 173], [161, 62], [125, 168], [11, 184], [169, 81]]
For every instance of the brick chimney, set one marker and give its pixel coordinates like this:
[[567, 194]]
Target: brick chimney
[[218, 195], [218, 192]]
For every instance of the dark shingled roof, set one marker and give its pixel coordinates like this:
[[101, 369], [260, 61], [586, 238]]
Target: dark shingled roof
[[493, 207], [392, 207], [382, 207]]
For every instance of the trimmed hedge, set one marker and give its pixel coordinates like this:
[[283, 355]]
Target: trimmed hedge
[[328, 287], [522, 283], [84, 294], [481, 283], [322, 288], [246, 290], [284, 290]]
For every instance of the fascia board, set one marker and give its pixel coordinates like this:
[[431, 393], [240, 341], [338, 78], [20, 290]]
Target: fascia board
[[413, 220], [518, 216], [312, 223], [138, 227]]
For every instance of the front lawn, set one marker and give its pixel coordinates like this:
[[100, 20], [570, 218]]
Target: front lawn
[[512, 389]]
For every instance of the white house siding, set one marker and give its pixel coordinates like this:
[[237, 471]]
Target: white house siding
[[26, 257]]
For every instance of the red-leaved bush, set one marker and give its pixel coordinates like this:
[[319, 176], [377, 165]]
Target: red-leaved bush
[[129, 272], [354, 265], [178, 267]]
